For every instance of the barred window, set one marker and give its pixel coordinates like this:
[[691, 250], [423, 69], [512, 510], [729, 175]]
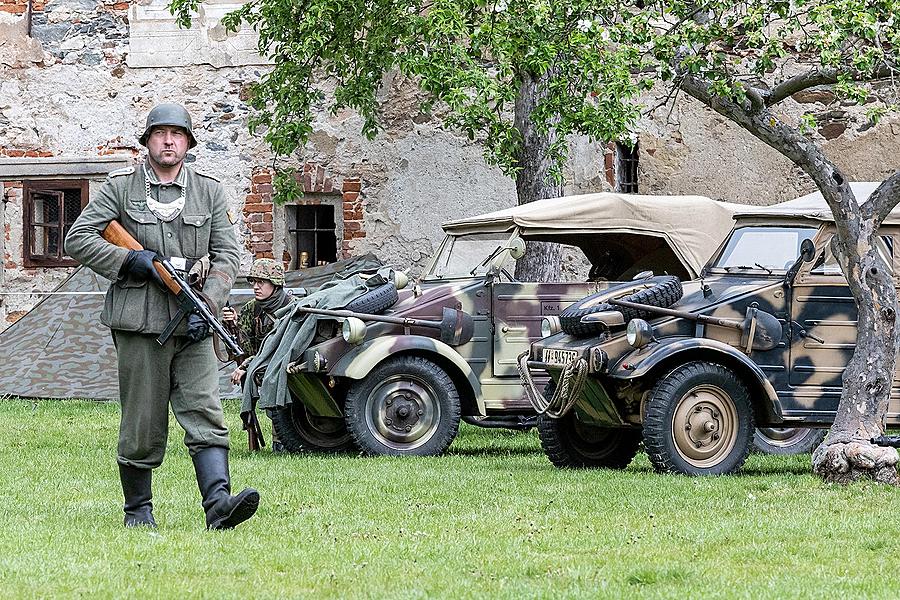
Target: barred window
[[312, 235], [626, 168]]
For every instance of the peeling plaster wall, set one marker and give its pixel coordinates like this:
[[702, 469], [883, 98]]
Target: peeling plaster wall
[[696, 151]]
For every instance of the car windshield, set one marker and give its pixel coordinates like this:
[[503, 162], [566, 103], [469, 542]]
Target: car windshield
[[763, 248], [467, 255]]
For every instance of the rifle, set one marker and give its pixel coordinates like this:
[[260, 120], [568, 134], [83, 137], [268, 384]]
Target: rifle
[[188, 301]]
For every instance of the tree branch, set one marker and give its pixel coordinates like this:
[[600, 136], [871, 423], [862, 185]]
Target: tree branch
[[816, 77], [883, 200], [799, 83], [755, 95], [769, 129]]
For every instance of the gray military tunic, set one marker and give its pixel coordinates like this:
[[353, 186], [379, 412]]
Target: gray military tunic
[[179, 373]]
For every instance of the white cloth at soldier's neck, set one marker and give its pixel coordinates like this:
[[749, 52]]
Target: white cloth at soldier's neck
[[165, 211]]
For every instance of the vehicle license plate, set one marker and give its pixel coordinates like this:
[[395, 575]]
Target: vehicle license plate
[[555, 356]]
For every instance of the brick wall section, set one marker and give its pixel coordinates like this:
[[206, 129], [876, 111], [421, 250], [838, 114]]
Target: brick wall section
[[609, 164], [19, 7], [353, 215], [258, 208], [19, 153], [258, 214]]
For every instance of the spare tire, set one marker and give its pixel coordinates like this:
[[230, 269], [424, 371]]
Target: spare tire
[[376, 300], [663, 291]]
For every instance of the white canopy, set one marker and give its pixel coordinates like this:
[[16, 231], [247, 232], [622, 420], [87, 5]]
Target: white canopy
[[812, 206], [693, 226]]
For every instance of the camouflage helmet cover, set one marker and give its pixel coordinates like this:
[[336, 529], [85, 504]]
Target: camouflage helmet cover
[[268, 269], [169, 114]]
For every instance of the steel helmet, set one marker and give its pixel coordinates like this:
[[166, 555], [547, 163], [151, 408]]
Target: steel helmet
[[269, 269], [169, 114]]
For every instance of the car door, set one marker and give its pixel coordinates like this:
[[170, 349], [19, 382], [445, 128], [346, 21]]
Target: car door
[[823, 331], [519, 307]]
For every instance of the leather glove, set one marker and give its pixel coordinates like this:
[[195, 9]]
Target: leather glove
[[197, 328], [139, 265]]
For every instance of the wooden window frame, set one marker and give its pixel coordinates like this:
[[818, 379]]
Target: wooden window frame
[[29, 187]]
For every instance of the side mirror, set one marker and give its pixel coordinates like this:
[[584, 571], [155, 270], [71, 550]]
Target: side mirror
[[401, 279], [516, 248], [807, 250], [807, 254]]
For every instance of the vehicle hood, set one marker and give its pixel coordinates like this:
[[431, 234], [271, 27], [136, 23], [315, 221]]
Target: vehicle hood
[[426, 299]]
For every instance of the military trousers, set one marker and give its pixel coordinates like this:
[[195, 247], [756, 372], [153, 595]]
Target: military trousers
[[153, 377]]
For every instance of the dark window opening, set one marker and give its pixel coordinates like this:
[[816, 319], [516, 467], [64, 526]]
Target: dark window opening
[[311, 232], [626, 168], [50, 208]]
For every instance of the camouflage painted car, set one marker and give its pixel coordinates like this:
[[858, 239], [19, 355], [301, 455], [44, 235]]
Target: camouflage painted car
[[398, 388], [761, 339]]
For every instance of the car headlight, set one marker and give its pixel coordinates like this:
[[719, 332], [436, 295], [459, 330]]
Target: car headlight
[[639, 333], [353, 330], [550, 326]]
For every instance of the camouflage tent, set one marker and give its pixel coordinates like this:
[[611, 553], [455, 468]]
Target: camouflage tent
[[59, 349]]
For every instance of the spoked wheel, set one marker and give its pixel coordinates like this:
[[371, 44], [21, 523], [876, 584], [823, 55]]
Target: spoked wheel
[[698, 421], [300, 431], [571, 444], [406, 406], [788, 440]]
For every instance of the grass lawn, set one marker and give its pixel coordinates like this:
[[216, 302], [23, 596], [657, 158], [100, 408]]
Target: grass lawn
[[493, 519]]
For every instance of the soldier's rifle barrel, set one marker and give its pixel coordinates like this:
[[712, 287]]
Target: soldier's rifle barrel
[[369, 317], [679, 313]]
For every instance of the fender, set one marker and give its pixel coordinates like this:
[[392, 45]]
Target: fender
[[639, 365], [358, 362]]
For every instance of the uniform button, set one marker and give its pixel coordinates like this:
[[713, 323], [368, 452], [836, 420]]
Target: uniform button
[[169, 234]]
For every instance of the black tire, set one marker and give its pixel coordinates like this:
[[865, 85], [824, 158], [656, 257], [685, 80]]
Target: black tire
[[698, 420], [407, 406], [298, 431], [661, 291], [787, 440], [375, 301], [571, 444]]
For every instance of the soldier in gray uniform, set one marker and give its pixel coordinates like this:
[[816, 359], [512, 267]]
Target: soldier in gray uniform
[[176, 211]]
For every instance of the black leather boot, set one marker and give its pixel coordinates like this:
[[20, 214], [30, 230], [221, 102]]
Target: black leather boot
[[223, 511], [136, 486]]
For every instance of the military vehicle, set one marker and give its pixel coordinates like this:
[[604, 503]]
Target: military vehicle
[[761, 339], [398, 388]]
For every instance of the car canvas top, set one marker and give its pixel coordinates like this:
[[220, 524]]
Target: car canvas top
[[671, 217]]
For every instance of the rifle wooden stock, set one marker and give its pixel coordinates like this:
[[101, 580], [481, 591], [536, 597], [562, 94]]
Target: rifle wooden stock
[[117, 235]]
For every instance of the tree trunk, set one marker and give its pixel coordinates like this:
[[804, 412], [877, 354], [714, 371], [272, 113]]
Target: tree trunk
[[534, 182], [847, 454]]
